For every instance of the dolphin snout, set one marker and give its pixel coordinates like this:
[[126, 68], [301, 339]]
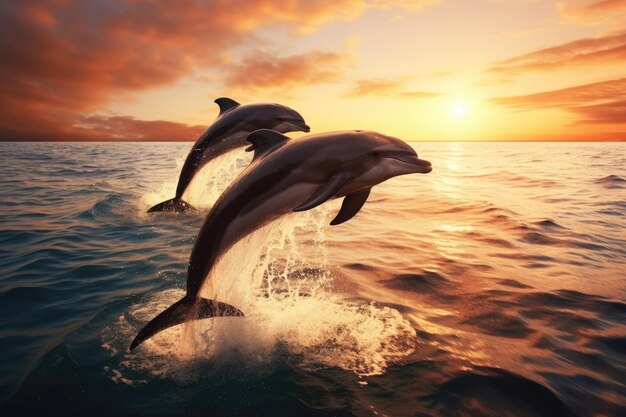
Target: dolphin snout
[[424, 166], [420, 166], [305, 128]]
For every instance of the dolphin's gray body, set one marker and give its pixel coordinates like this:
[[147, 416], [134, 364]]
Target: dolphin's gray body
[[285, 176], [228, 132]]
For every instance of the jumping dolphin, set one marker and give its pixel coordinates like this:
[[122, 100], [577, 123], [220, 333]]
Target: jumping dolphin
[[285, 176], [229, 132]]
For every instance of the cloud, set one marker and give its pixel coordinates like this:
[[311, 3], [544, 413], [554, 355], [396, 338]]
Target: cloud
[[410, 5], [262, 70], [62, 59], [613, 112], [104, 128], [601, 91], [129, 128], [600, 50], [610, 12], [385, 87], [597, 103]]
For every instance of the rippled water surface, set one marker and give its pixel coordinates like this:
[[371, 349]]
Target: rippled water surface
[[495, 285]]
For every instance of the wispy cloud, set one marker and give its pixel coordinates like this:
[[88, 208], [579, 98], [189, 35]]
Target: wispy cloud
[[601, 50], [263, 70], [594, 11], [386, 87], [410, 5], [613, 112], [597, 103], [130, 128]]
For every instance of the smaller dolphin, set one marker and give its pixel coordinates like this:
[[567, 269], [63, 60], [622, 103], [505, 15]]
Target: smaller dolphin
[[285, 176], [228, 132]]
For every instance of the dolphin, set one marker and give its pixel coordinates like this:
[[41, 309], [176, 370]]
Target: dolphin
[[229, 132], [285, 176]]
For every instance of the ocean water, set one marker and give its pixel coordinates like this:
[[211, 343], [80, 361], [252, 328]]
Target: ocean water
[[493, 286]]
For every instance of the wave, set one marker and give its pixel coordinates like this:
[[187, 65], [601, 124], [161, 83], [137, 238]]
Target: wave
[[495, 392], [500, 324], [611, 181], [105, 207], [417, 282]]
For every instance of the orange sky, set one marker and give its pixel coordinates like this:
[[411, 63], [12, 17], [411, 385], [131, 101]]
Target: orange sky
[[419, 70]]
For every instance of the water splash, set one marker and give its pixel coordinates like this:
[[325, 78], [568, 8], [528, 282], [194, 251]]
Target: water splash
[[206, 186], [280, 278], [290, 302]]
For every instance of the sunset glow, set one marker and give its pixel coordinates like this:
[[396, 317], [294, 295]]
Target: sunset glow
[[140, 70], [313, 208]]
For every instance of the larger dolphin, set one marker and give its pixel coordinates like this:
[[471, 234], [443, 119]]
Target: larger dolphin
[[228, 132], [285, 176]]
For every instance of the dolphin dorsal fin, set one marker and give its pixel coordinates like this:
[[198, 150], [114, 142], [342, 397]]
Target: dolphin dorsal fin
[[263, 140], [226, 104]]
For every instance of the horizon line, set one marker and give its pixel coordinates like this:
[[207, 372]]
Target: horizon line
[[416, 140]]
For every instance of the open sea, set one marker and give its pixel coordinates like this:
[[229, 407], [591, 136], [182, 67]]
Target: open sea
[[493, 286]]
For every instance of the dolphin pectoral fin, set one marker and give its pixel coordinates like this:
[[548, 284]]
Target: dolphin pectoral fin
[[226, 104], [351, 206], [176, 205], [183, 309], [325, 192]]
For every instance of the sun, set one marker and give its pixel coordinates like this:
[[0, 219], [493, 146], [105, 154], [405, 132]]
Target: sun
[[458, 109]]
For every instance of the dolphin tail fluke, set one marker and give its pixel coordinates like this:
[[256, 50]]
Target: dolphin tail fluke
[[183, 309], [177, 205]]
